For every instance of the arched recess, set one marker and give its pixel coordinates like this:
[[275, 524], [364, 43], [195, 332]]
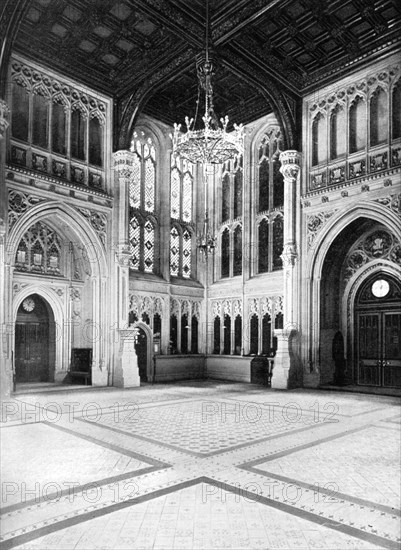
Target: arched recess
[[74, 228], [378, 269], [149, 353], [55, 302], [316, 351]]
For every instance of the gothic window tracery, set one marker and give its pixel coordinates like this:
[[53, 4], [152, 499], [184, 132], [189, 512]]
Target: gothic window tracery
[[39, 251], [180, 252], [357, 125], [337, 132], [271, 199], [230, 217], [396, 110], [142, 183], [378, 117], [181, 189], [62, 128], [319, 139]]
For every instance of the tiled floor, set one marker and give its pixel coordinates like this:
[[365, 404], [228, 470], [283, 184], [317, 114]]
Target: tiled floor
[[200, 465]]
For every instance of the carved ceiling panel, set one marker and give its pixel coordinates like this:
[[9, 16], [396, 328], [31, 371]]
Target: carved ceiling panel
[[296, 46]]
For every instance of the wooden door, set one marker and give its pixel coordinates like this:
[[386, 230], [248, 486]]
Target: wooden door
[[379, 362], [32, 352], [391, 362], [369, 364]]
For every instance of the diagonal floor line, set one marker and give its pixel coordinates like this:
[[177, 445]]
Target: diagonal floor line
[[196, 453], [286, 508], [330, 493], [77, 489], [110, 446], [297, 448], [154, 465], [310, 516]]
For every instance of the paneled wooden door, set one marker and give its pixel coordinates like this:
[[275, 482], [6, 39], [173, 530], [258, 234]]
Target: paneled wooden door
[[379, 358], [32, 352]]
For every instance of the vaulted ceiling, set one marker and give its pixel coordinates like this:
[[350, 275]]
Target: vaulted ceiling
[[268, 52]]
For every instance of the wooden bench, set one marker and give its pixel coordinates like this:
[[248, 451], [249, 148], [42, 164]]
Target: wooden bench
[[81, 364]]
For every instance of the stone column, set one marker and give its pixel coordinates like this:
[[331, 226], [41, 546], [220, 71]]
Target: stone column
[[286, 373], [5, 344], [123, 167]]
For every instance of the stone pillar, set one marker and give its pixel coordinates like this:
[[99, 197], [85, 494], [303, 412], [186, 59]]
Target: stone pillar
[[286, 371], [5, 333], [126, 374], [123, 167]]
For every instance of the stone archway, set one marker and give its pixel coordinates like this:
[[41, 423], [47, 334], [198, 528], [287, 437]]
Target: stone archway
[[74, 302], [330, 298]]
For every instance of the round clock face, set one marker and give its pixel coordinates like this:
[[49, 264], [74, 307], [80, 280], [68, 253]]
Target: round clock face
[[380, 288], [28, 304]]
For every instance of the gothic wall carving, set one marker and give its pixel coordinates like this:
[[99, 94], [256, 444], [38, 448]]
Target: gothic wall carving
[[18, 204], [36, 81], [379, 244], [98, 221], [315, 223]]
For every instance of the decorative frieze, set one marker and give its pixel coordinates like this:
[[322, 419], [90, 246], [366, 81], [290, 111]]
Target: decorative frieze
[[318, 180], [151, 305], [357, 169], [337, 174], [396, 156], [379, 162]]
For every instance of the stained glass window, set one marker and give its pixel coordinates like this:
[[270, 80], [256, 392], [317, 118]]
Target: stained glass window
[[135, 243], [269, 226], [187, 198], [149, 185], [186, 254], [175, 193], [135, 183], [181, 188], [174, 252], [149, 245], [142, 185]]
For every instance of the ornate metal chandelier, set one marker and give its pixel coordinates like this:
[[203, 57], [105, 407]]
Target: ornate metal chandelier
[[211, 144]]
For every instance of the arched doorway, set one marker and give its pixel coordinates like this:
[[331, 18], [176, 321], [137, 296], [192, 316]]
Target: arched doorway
[[141, 348], [378, 332], [34, 341]]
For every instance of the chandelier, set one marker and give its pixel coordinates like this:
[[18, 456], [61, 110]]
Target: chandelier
[[211, 144]]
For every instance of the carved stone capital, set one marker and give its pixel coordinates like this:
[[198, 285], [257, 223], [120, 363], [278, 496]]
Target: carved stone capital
[[123, 162], [290, 164], [4, 114]]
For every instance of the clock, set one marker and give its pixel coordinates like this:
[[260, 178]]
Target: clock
[[28, 304], [380, 288]]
